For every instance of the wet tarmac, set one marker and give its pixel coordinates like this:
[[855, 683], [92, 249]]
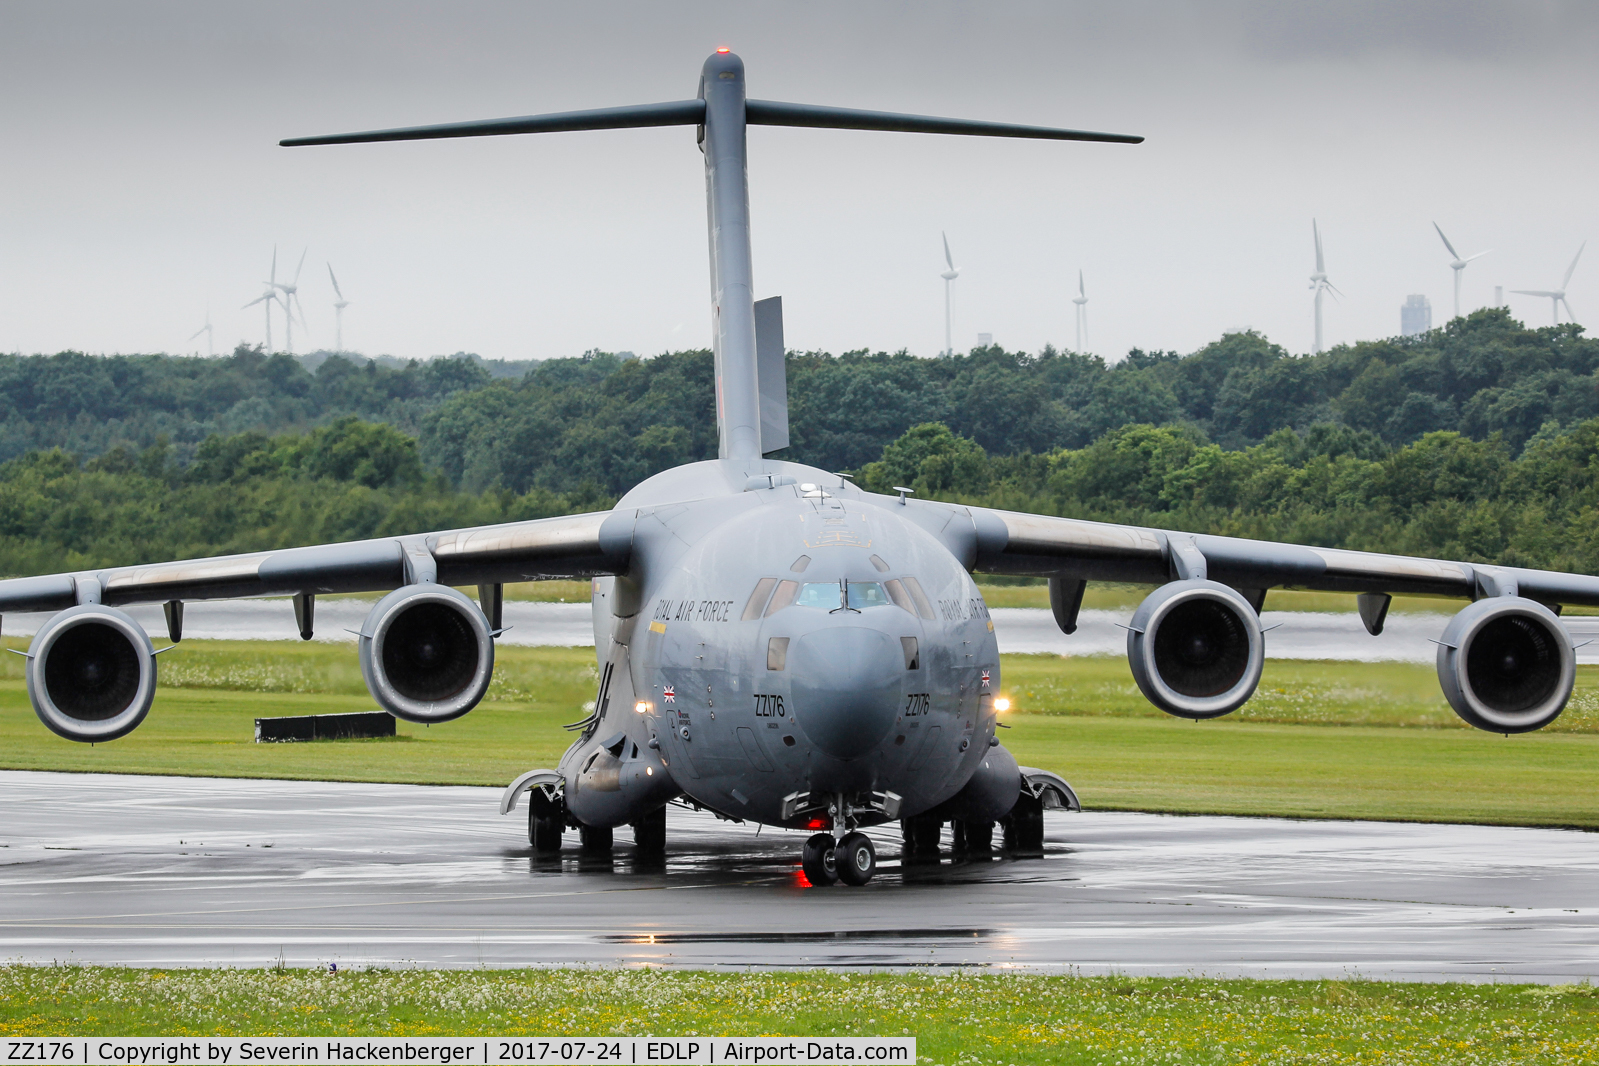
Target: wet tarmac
[[156, 871], [1291, 635]]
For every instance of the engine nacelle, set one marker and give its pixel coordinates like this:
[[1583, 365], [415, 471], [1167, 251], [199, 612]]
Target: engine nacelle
[[91, 673], [426, 653], [1507, 665], [1196, 649]]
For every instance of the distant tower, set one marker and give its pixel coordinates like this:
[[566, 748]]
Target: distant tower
[[985, 339], [1499, 296], [1416, 316]]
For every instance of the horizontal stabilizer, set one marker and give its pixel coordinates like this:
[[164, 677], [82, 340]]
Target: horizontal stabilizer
[[692, 113], [677, 113], [771, 113]]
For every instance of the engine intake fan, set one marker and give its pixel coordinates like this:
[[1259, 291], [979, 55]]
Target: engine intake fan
[[1506, 665], [91, 673], [426, 653], [1196, 649]]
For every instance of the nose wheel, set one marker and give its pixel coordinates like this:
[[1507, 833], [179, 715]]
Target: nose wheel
[[855, 859], [818, 860], [852, 860]]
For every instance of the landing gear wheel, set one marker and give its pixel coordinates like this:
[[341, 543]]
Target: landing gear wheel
[[595, 838], [649, 833], [856, 859], [817, 860], [974, 838], [544, 833], [544, 823], [922, 835], [1024, 826]]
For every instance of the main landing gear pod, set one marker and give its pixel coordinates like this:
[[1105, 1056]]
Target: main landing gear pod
[[426, 653], [91, 673], [1196, 649], [1506, 665]]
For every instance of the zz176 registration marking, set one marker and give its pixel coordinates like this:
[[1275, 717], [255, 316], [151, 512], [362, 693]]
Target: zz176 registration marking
[[918, 703], [768, 706], [38, 1050]]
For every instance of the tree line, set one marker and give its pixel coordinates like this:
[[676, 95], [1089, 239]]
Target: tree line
[[1471, 441]]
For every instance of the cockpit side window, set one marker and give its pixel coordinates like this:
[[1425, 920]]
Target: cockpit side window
[[782, 597], [901, 598], [758, 598], [924, 606]]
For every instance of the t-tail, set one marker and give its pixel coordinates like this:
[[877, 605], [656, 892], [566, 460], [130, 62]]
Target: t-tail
[[743, 334]]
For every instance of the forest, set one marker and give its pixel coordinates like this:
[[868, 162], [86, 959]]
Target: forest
[[1477, 441]]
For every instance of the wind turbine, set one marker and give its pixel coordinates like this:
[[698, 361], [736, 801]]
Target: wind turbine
[[210, 346], [269, 297], [949, 277], [289, 294], [1081, 300], [1558, 296], [1458, 265], [338, 312], [1319, 282]]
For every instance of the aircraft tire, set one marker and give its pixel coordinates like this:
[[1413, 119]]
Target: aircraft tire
[[922, 835], [595, 838], [544, 832], [856, 859], [974, 838], [817, 860], [649, 833], [1024, 826]]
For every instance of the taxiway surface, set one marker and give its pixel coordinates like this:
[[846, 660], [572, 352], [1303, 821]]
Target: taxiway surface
[[162, 871]]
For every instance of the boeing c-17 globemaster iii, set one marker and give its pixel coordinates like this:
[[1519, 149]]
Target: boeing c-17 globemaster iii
[[775, 644]]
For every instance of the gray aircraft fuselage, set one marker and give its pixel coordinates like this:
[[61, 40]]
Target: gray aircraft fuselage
[[796, 642]]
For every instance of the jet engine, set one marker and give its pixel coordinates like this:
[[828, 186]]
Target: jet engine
[[91, 673], [1506, 665], [1196, 649], [426, 653]]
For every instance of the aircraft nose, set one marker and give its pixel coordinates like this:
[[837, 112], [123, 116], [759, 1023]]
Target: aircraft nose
[[846, 687]]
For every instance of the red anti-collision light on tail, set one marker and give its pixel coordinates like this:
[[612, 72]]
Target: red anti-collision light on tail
[[721, 51]]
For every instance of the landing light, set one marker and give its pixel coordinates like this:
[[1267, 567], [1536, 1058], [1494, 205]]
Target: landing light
[[642, 706], [1002, 704]]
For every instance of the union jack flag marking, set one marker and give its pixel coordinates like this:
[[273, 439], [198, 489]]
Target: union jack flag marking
[[985, 678], [670, 693]]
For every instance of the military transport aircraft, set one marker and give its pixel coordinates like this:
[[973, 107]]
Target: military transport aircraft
[[776, 645]]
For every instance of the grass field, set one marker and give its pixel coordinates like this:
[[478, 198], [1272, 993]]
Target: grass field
[[957, 1018], [1326, 740]]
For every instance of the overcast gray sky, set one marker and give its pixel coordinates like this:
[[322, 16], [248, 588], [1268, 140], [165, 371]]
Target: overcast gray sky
[[142, 182]]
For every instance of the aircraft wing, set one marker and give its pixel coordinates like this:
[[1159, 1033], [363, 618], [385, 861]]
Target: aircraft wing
[[1009, 542], [572, 546]]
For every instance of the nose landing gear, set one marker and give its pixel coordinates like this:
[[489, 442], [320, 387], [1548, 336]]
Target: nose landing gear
[[852, 860], [842, 855]]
